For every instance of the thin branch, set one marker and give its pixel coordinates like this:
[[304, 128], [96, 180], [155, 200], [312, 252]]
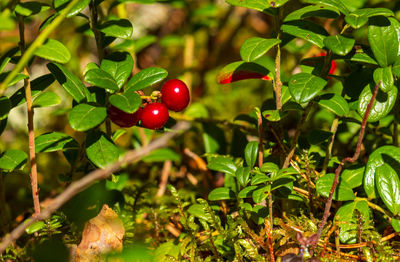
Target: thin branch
[[89, 179], [347, 159], [328, 153], [164, 178]]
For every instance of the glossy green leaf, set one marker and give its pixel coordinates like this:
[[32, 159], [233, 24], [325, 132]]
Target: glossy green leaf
[[61, 4], [46, 99], [339, 45], [213, 138], [247, 192], [395, 224], [55, 141], [260, 194], [382, 105], [303, 87], [271, 168], [312, 11], [100, 150], [339, 4], [256, 47], [251, 153], [128, 102], [396, 67], [161, 155], [274, 115], [334, 103], [15, 80], [197, 210], [5, 107], [259, 179], [101, 78], [222, 164], [121, 28], [306, 30], [119, 65], [359, 17], [35, 227], [343, 191], [258, 214], [13, 159], [243, 175], [54, 50], [237, 71], [381, 155], [385, 76], [146, 78], [84, 116], [353, 175], [70, 82], [30, 8], [260, 5], [221, 193], [388, 185], [383, 37]]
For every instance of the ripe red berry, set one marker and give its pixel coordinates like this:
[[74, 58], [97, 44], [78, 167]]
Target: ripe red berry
[[154, 116], [175, 95], [122, 118]]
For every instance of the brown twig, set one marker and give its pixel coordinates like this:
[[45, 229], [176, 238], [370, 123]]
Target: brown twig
[[326, 240], [89, 179], [347, 159], [31, 133], [164, 177]]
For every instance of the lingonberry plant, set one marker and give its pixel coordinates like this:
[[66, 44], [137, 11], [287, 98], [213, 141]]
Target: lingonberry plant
[[232, 130]]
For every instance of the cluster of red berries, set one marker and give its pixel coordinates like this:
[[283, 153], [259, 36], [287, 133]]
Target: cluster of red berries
[[174, 96]]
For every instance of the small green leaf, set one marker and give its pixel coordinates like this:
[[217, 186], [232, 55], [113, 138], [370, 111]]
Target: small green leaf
[[70, 82], [312, 11], [84, 117], [274, 115], [55, 141], [53, 50], [388, 185], [213, 138], [13, 159], [35, 227], [100, 150], [396, 224], [303, 87], [259, 213], [119, 65], [146, 78], [5, 107], [385, 76], [260, 194], [339, 45], [101, 78], [260, 5], [260, 179], [128, 101], [247, 192], [306, 30], [334, 103], [271, 168], [353, 175], [343, 191], [197, 210], [31, 8], [243, 175], [330, 3], [121, 28], [161, 155], [46, 99], [396, 67], [221, 193], [222, 164], [359, 17], [251, 153], [241, 70], [61, 4], [256, 47]]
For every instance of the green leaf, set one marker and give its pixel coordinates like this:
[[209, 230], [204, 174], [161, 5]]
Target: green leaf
[[35, 227], [396, 67], [101, 78], [259, 214], [256, 47], [251, 153], [15, 80], [384, 154], [197, 210], [353, 175], [100, 150], [343, 191], [53, 50], [271, 168], [222, 164], [241, 70], [61, 4], [121, 28], [334, 103], [382, 105], [396, 224], [247, 192], [260, 5], [274, 115], [119, 65], [31, 8], [312, 11], [161, 155], [13, 159], [359, 17], [388, 185], [383, 37], [259, 194], [260, 179], [243, 175], [5, 107], [55, 141], [385, 76], [46, 99], [339, 45], [70, 82], [306, 30], [128, 102], [303, 87], [213, 138], [84, 117], [146, 78], [221, 193], [339, 4], [7, 21]]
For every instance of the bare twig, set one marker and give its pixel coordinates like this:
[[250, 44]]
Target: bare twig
[[164, 177], [347, 159], [86, 181]]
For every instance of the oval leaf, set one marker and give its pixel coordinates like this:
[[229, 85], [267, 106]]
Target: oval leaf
[[353, 175], [53, 50], [100, 150], [128, 102], [388, 185], [313, 11], [55, 141], [13, 159], [121, 28], [343, 191], [146, 78], [303, 87], [251, 153], [84, 117], [243, 175], [256, 47], [119, 65], [46, 99], [76, 9], [306, 30], [30, 8], [339, 45], [101, 78], [359, 17], [221, 193], [334, 103], [241, 71], [222, 164], [385, 76]]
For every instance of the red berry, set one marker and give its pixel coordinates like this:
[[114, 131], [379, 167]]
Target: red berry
[[154, 116], [175, 95], [122, 118]]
